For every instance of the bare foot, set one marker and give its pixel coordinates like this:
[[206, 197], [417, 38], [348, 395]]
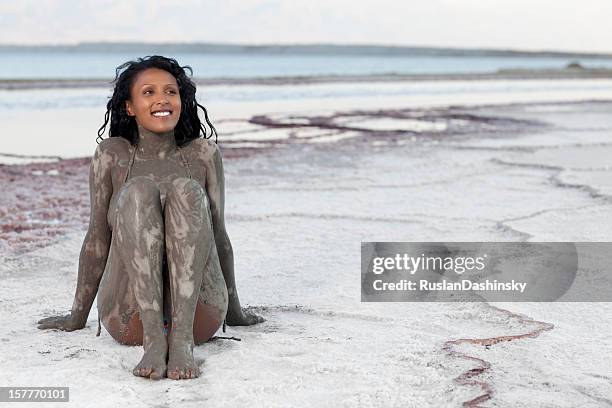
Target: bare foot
[[181, 364], [153, 363]]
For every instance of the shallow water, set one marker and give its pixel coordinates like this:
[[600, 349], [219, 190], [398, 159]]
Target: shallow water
[[41, 64]]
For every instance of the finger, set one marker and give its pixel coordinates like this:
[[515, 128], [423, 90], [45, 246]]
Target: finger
[[52, 323], [52, 318], [255, 317], [47, 325], [46, 322]]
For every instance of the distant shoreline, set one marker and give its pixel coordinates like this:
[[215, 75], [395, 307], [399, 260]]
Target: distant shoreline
[[293, 49], [506, 74]]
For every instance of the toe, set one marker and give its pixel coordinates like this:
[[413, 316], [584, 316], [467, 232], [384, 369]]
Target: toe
[[142, 371], [157, 374], [195, 372]]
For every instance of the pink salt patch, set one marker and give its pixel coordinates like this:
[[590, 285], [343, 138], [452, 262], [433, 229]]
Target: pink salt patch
[[41, 202]]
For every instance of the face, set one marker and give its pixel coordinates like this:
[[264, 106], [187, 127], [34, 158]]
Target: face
[[155, 101]]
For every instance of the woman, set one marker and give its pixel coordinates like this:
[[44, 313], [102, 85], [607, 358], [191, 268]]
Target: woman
[[156, 250]]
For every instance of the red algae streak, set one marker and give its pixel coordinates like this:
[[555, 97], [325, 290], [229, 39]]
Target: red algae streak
[[42, 202], [468, 377]]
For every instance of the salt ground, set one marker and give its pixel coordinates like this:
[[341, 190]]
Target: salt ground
[[296, 215]]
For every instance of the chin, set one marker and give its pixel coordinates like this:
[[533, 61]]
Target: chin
[[160, 129]]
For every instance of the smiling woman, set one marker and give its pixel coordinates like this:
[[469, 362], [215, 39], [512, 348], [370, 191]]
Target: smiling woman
[[155, 102], [156, 251]]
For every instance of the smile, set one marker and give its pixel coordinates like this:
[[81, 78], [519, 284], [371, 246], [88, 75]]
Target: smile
[[162, 113]]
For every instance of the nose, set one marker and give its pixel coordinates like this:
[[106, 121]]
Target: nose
[[163, 101]]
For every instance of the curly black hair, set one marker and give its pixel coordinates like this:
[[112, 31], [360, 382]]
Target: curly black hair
[[122, 125]]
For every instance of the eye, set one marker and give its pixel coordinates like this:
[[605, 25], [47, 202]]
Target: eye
[[172, 92], [147, 91]]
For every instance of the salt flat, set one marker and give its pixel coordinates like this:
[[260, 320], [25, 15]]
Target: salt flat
[[296, 215]]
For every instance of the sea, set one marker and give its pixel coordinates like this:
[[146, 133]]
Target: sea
[[48, 64], [42, 111]]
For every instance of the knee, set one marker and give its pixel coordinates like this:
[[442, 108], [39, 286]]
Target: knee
[[138, 199], [136, 192], [187, 191], [140, 186]]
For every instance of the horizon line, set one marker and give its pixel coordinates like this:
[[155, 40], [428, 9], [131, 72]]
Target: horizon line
[[309, 44]]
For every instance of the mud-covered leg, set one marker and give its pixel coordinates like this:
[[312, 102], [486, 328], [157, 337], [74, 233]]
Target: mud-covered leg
[[189, 239], [213, 301], [140, 238]]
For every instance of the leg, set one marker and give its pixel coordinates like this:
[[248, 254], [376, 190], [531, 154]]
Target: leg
[[140, 233], [189, 241], [213, 300]]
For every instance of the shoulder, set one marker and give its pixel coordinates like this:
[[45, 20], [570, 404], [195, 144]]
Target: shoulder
[[203, 150], [110, 150], [113, 146]]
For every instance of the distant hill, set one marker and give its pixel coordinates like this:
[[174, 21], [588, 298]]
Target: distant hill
[[306, 49]]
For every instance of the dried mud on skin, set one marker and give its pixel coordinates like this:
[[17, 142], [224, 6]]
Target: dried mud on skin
[[41, 202]]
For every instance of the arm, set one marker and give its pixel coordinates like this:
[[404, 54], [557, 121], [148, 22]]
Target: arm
[[215, 186], [94, 251]]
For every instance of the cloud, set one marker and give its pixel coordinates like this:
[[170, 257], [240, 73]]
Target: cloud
[[533, 24]]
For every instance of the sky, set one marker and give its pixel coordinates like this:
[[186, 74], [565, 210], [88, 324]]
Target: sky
[[565, 25]]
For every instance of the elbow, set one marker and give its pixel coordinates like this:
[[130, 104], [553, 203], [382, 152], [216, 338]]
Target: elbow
[[96, 245], [224, 245]]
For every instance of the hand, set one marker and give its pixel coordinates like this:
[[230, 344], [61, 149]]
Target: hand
[[243, 317], [65, 323]]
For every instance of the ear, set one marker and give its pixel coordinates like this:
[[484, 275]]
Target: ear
[[129, 108]]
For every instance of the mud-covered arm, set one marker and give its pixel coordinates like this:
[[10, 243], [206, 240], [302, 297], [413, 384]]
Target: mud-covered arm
[[94, 251], [215, 187]]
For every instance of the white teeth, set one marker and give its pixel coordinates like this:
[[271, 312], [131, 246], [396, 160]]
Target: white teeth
[[164, 113]]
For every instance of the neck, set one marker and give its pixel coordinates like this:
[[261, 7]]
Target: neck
[[151, 144]]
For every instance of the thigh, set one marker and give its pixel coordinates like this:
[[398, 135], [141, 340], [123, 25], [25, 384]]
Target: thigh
[[212, 302], [119, 312], [117, 305]]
